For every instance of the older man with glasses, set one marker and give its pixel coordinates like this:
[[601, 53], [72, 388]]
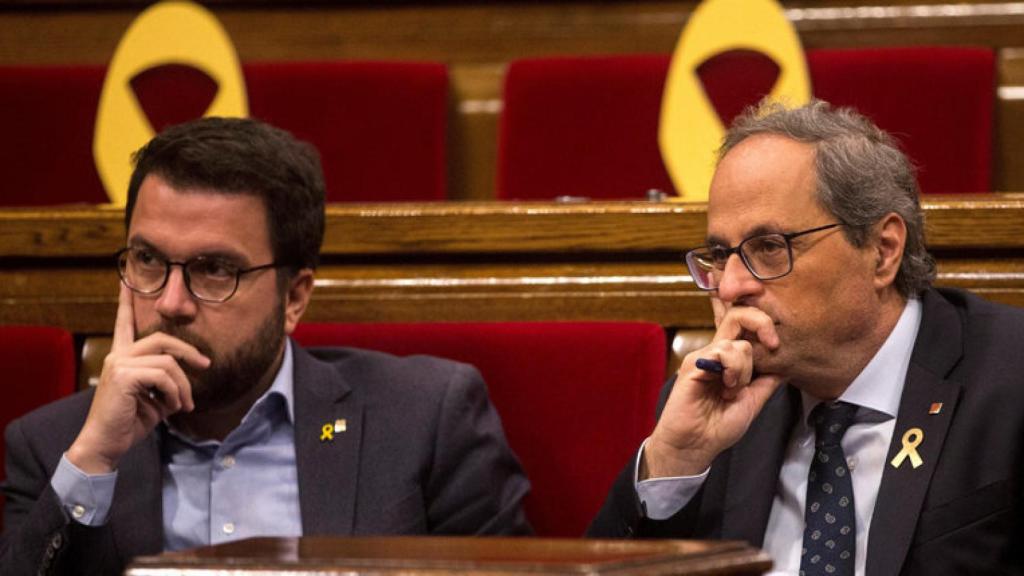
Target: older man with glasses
[[847, 417], [209, 424]]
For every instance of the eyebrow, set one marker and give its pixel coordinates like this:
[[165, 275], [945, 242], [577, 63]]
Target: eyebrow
[[766, 228], [136, 242], [225, 255]]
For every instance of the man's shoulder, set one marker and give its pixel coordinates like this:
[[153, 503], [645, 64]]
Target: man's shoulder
[[359, 359], [58, 418], [987, 337], [382, 373], [979, 313]]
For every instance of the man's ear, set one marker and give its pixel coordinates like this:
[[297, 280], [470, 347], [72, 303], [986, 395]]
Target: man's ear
[[890, 238], [296, 298]]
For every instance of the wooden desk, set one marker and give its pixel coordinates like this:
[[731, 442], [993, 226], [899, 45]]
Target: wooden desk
[[463, 262], [422, 556]]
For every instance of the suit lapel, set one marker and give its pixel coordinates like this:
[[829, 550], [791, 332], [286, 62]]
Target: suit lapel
[[136, 514], [901, 494], [754, 468], [327, 467]]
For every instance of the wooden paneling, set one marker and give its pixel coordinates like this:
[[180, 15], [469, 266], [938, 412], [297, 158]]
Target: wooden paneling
[[486, 32], [481, 261], [1010, 120]]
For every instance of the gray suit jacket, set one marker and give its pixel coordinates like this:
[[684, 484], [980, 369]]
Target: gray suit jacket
[[424, 453], [959, 513]]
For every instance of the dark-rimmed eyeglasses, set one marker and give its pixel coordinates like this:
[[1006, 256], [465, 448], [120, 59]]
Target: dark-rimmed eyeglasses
[[766, 256], [209, 279]]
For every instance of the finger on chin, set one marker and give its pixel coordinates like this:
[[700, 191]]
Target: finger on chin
[[718, 308]]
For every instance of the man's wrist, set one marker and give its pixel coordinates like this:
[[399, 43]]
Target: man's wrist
[[89, 461], [661, 460], [85, 498]]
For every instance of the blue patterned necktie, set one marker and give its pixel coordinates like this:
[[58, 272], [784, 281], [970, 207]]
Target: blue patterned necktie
[[830, 534]]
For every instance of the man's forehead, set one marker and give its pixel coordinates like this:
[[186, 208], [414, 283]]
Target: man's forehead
[[736, 235], [735, 216], [767, 183], [187, 222]]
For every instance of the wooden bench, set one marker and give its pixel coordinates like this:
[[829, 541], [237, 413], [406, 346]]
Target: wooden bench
[[463, 262]]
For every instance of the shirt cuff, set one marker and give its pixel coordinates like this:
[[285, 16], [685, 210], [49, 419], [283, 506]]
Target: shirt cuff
[[85, 498], [663, 497]]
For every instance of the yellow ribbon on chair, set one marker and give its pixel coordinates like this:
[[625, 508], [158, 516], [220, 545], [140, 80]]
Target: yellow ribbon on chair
[[690, 131], [174, 32]]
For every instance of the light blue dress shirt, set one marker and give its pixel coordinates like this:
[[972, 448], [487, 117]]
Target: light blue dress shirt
[[213, 492], [876, 391]]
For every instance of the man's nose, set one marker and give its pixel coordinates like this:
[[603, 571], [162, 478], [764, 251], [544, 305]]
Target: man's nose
[[737, 282], [175, 300]]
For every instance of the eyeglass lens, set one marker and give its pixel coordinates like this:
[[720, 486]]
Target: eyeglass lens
[[206, 278], [766, 257]]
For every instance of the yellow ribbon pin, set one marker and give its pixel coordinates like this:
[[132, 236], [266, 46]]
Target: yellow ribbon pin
[[911, 440], [327, 432]]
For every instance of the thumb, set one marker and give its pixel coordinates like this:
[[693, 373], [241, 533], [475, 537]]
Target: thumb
[[761, 389]]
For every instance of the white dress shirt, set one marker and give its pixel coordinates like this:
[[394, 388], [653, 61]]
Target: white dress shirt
[[876, 391]]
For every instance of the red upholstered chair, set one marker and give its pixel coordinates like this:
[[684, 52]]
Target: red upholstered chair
[[576, 399], [380, 127], [37, 366], [47, 115], [938, 101], [581, 126], [588, 126]]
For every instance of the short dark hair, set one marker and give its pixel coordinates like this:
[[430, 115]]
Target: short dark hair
[[244, 156], [862, 175]]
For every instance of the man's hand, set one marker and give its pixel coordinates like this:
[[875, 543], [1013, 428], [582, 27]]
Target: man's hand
[[141, 384], [707, 413]]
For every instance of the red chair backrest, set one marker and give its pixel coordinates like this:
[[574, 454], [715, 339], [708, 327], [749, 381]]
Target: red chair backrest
[[588, 126], [37, 366], [380, 127], [48, 116], [937, 101], [581, 127], [576, 398]]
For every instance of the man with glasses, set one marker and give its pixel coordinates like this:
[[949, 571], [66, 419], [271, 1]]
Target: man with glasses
[[847, 417], [209, 424]]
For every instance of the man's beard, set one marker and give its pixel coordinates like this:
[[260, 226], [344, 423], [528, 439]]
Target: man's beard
[[231, 376]]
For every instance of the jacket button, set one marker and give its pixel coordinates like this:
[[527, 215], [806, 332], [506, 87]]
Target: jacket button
[[57, 541]]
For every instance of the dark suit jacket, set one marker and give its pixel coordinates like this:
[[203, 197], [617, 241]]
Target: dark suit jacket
[[958, 513], [424, 453]]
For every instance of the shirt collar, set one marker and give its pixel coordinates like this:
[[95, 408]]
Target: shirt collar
[[879, 386], [284, 383], [263, 410]]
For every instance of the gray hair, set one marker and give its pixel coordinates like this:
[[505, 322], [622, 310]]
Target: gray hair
[[862, 175]]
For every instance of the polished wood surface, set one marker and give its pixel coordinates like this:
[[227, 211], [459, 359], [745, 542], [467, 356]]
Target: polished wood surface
[[478, 39], [560, 230], [432, 555], [481, 261]]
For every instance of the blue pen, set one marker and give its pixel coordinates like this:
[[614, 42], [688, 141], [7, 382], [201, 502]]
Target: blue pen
[[709, 365]]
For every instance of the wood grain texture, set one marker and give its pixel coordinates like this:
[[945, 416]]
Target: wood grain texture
[[423, 556], [481, 261], [482, 32], [550, 229]]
